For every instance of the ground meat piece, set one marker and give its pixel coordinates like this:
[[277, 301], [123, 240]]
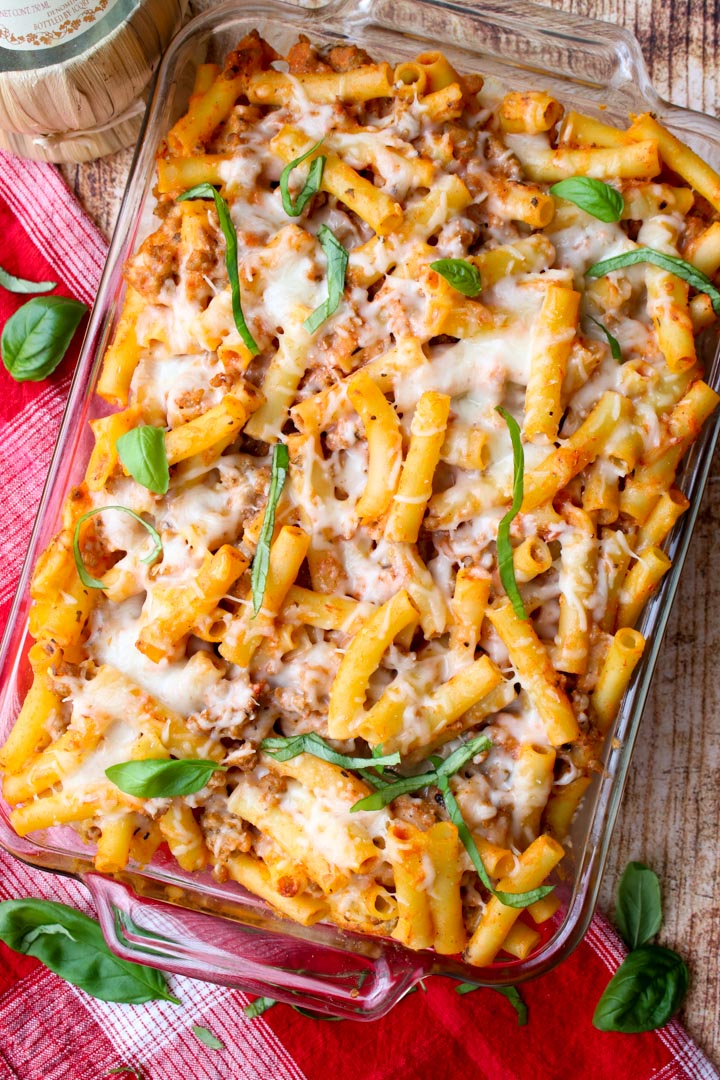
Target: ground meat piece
[[347, 57], [415, 812], [303, 58], [229, 135], [190, 403], [271, 788], [253, 54], [225, 834], [157, 258]]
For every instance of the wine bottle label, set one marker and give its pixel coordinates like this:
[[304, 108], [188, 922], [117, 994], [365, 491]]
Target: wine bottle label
[[43, 24]]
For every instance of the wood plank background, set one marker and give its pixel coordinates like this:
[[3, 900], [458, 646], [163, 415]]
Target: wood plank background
[[670, 817]]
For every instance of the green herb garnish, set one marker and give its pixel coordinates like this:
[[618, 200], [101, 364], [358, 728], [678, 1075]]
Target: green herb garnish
[[672, 263], [258, 1007], [638, 912], [261, 562], [142, 452], [337, 262], [22, 285], [72, 945], [94, 583], [37, 336], [645, 992], [504, 547], [207, 191], [593, 196], [311, 186], [510, 992], [612, 342], [461, 274], [206, 1036], [651, 983], [408, 784], [283, 749], [162, 778], [513, 900]]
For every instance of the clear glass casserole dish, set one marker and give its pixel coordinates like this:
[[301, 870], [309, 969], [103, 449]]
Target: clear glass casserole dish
[[188, 923]]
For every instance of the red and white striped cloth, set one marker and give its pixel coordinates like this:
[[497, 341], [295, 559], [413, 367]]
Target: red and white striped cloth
[[51, 1031]]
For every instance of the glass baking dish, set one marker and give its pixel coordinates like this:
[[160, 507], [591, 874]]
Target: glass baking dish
[[160, 915]]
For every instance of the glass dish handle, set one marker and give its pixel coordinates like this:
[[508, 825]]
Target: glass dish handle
[[202, 946]]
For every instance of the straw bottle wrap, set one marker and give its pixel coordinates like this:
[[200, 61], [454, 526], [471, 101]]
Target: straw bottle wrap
[[74, 73]]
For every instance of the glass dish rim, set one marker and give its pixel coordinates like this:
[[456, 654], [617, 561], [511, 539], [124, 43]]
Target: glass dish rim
[[578, 915]]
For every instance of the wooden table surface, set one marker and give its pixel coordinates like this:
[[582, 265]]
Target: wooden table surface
[[670, 816]]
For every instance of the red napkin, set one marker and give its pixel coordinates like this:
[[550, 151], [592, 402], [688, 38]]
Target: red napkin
[[49, 1030]]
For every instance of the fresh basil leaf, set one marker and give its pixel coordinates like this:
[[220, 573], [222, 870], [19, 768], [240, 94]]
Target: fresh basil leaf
[[258, 1007], [504, 547], [284, 749], [206, 1036], [207, 191], [593, 196], [385, 795], [461, 274], [37, 336], [372, 779], [515, 998], [50, 928], [513, 900], [408, 784], [94, 583], [142, 452], [311, 186], [645, 992], [510, 992], [261, 561], [337, 262], [612, 342], [162, 778], [455, 761], [80, 956], [22, 285], [638, 913], [672, 263]]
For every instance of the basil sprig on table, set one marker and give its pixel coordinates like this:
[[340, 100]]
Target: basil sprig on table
[[261, 561], [650, 985], [142, 452], [283, 749], [337, 263], [207, 1038], [311, 185], [207, 191], [461, 274], [87, 579], [614, 344], [162, 778], [645, 992], [638, 912], [672, 263], [22, 285], [37, 336], [506, 565], [72, 945], [510, 992], [593, 196]]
